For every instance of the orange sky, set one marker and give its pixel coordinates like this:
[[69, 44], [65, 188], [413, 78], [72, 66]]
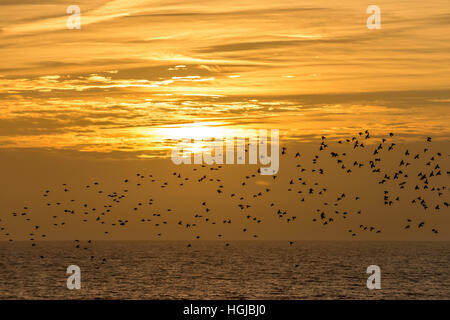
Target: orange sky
[[112, 91]]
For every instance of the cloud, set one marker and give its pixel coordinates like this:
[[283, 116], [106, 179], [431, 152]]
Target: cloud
[[251, 64]]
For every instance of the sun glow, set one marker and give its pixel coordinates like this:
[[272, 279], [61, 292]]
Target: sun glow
[[199, 131]]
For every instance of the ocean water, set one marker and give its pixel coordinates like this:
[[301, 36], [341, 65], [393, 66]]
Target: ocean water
[[210, 270]]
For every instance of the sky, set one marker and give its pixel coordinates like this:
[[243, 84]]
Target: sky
[[107, 100]]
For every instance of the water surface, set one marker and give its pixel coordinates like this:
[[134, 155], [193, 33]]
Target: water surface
[[210, 270]]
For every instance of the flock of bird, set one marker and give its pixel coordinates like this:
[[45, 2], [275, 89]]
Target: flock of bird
[[422, 185]]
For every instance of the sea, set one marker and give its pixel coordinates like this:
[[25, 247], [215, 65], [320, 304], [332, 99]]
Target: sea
[[211, 270]]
